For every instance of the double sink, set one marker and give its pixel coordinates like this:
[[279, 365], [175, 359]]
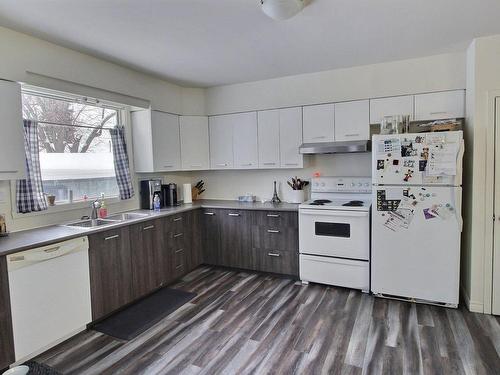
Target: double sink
[[110, 220]]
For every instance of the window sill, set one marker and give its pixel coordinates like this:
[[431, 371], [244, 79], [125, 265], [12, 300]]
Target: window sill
[[62, 207]]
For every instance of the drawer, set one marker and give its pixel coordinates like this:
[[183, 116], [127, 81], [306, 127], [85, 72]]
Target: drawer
[[276, 219], [176, 223], [335, 271], [275, 238], [179, 264], [175, 240], [284, 262]]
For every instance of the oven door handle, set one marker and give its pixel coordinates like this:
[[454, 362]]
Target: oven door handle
[[334, 213]]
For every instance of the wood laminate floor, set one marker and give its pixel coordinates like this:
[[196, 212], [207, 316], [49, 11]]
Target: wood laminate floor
[[247, 323]]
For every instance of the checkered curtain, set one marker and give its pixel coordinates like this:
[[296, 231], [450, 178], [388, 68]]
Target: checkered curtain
[[122, 169], [29, 192]]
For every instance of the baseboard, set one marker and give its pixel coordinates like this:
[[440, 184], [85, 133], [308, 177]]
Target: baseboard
[[473, 306]]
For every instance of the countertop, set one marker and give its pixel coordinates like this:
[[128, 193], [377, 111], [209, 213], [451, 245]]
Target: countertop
[[27, 239]]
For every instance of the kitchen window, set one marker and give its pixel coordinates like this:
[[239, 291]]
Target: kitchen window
[[76, 157]]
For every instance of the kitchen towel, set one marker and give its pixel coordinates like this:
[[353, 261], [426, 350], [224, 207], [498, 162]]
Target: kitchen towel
[[186, 193]]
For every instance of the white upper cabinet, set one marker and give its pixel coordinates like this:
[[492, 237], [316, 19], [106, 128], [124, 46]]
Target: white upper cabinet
[[440, 105], [395, 105], [352, 121], [221, 142], [13, 160], [269, 138], [319, 123], [156, 141], [291, 138], [194, 142], [245, 140]]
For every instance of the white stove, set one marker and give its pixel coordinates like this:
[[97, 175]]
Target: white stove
[[334, 232]]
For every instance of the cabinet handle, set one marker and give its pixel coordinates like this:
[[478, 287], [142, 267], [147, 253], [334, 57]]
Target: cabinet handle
[[178, 235], [179, 266], [148, 227], [111, 237], [273, 215], [273, 254], [9, 171], [233, 214], [209, 213], [247, 164], [320, 137], [177, 218], [352, 135], [273, 231], [221, 165], [269, 163], [438, 113], [196, 165], [292, 164], [178, 250], [168, 166]]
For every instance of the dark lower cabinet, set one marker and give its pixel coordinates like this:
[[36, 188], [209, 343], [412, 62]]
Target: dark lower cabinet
[[110, 271], [211, 223], [276, 261], [235, 236], [6, 336], [148, 257], [194, 256], [175, 234]]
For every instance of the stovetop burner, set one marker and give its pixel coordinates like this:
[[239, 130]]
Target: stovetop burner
[[321, 201], [354, 204]]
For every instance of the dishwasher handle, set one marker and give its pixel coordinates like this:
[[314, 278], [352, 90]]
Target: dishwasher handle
[[42, 254]]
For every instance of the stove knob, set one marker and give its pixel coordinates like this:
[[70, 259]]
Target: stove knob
[[323, 184], [367, 184], [353, 184], [360, 184]]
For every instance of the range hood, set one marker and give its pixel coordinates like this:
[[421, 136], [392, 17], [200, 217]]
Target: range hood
[[341, 147]]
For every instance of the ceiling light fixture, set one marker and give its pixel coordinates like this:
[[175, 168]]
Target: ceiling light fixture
[[281, 9]]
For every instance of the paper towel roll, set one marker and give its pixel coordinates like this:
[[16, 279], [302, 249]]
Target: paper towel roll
[[186, 193]]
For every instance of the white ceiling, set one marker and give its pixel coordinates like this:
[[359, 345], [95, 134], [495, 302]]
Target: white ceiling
[[214, 42]]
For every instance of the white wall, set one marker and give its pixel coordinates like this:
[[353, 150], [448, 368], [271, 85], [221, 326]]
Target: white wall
[[433, 73], [34, 61], [483, 78]]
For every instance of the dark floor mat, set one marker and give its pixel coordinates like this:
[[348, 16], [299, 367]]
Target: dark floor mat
[[40, 369], [140, 316]]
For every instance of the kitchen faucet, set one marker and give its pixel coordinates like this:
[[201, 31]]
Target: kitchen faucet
[[95, 206]]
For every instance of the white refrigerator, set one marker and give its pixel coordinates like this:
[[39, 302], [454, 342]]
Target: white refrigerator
[[416, 216]]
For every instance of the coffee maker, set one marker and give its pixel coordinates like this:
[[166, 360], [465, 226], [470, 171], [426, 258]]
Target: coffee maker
[[150, 189], [169, 194]]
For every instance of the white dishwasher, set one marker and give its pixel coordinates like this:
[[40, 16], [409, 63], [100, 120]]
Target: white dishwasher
[[50, 295]]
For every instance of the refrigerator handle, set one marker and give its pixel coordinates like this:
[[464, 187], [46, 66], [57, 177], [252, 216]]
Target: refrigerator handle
[[460, 162], [458, 208]]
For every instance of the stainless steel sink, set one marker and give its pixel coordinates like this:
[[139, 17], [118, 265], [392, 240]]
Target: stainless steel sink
[[92, 223], [127, 216]]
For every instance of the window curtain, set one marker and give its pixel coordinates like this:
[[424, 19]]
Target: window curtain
[[29, 192], [122, 169]]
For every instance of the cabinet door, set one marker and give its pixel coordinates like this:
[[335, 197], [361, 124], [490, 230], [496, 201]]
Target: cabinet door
[[291, 138], [166, 141], [210, 235], [352, 121], [269, 138], [194, 142], [245, 146], [193, 240], [12, 139], [177, 244], [110, 271], [221, 142], [236, 246], [7, 355], [396, 105], [319, 123], [440, 105], [147, 257]]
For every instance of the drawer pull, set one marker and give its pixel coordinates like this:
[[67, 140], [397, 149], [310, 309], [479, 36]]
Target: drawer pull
[[352, 135], [273, 215], [178, 235], [9, 171], [111, 237], [168, 166], [148, 227], [221, 165], [231, 214], [273, 231], [178, 250], [209, 213], [438, 113], [269, 163], [177, 219], [179, 266], [273, 254], [292, 164]]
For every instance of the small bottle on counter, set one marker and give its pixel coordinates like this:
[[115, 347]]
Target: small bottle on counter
[[156, 203], [103, 211]]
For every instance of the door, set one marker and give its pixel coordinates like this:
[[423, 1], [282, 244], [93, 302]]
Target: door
[[291, 138], [352, 121], [221, 142], [319, 123], [416, 242], [245, 140], [496, 241], [194, 142], [440, 105], [269, 138], [418, 159], [166, 141], [392, 106]]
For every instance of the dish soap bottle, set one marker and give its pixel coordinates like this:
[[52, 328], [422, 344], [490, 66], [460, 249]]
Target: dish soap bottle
[[156, 203], [103, 211]]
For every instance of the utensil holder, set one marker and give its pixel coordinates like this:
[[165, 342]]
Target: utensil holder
[[297, 196]]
